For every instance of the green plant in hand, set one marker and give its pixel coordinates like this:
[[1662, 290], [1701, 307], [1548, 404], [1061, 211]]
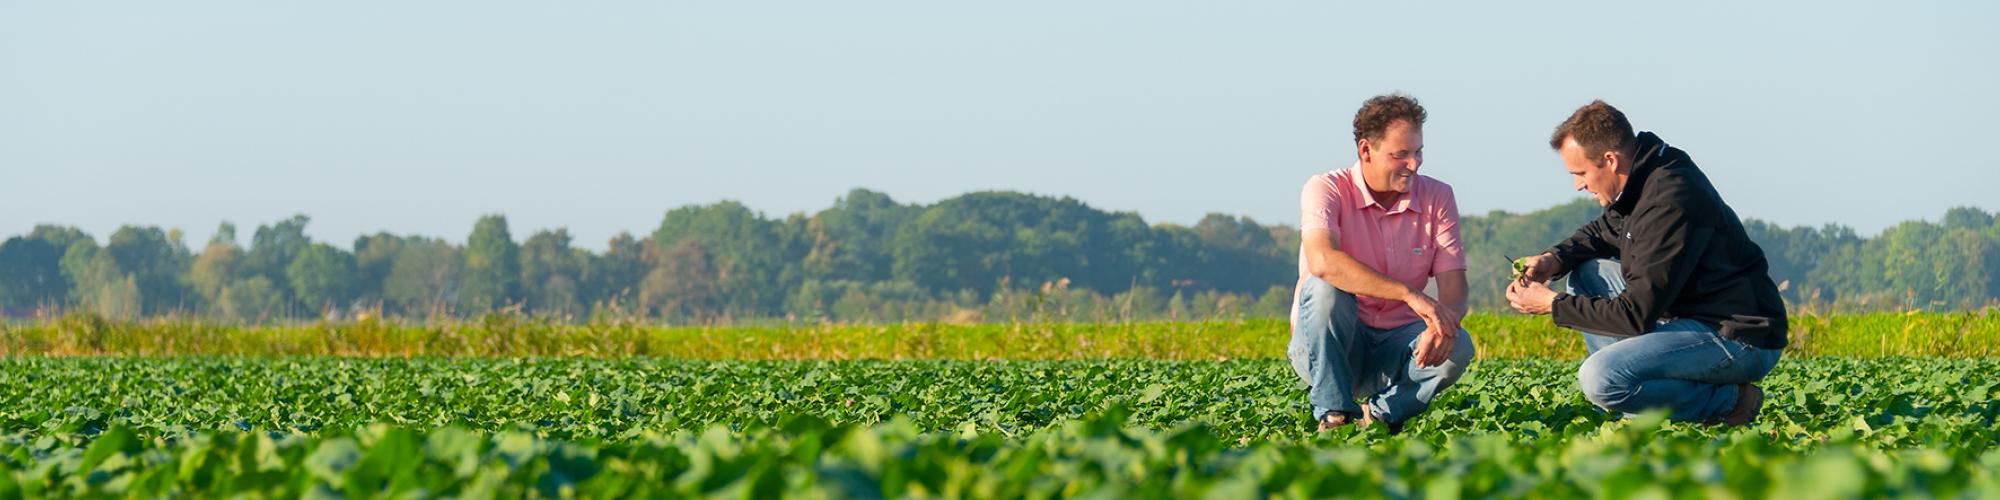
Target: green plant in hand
[[1520, 268]]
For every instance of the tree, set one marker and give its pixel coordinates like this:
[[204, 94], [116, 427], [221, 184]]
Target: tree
[[613, 278], [60, 237], [374, 259], [30, 274], [322, 277], [682, 282], [272, 249], [552, 273], [224, 234], [1235, 254], [869, 258], [1793, 253], [975, 240], [424, 278], [154, 259], [101, 287], [743, 247], [851, 240], [492, 266], [215, 269], [252, 300]]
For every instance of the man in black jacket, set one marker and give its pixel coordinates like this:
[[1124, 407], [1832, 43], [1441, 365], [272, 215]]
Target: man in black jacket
[[1675, 302]]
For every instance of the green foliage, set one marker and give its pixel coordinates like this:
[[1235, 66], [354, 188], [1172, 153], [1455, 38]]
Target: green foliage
[[685, 283], [31, 273], [492, 276], [374, 258], [986, 256], [322, 276], [739, 248], [851, 241], [99, 285], [153, 261], [252, 300], [1945, 335], [1117, 428], [552, 274], [218, 265], [272, 249], [424, 277]]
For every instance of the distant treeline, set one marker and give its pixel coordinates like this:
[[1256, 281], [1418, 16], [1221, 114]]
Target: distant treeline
[[986, 256]]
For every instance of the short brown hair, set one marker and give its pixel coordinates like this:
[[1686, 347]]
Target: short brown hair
[[1597, 127], [1379, 112]]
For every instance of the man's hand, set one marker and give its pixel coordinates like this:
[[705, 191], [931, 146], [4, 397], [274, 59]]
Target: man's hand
[[1530, 297], [1441, 329], [1541, 268], [1433, 348]]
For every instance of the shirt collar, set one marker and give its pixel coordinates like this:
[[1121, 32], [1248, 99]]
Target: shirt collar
[[1406, 202]]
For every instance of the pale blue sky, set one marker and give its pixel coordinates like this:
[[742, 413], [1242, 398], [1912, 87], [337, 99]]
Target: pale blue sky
[[417, 117]]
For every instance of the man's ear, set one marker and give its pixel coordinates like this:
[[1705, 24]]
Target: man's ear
[[1614, 160], [1361, 150]]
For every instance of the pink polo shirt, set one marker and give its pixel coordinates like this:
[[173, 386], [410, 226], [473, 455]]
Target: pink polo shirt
[[1411, 240]]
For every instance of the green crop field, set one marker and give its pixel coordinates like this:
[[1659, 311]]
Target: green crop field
[[437, 426], [1970, 334]]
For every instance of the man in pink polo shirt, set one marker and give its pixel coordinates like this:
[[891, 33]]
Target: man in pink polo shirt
[[1368, 342]]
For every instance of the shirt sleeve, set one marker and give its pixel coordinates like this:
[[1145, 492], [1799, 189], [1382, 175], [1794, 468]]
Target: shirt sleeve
[[1317, 202], [1588, 243], [1449, 254]]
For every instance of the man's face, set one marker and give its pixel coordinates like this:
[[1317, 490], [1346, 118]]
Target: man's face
[[1391, 163], [1599, 175]]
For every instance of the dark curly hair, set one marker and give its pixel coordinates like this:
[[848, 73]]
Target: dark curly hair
[[1377, 113], [1597, 127]]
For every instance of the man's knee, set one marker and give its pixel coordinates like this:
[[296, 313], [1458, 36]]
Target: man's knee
[[1601, 385], [1320, 301], [1454, 365], [1462, 353], [1324, 296], [1596, 278], [1461, 357]]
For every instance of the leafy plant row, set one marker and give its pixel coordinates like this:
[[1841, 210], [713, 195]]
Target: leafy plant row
[[1100, 455], [1974, 334], [1893, 403]]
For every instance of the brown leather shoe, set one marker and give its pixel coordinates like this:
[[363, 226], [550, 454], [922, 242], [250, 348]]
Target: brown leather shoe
[[1333, 420], [1749, 400]]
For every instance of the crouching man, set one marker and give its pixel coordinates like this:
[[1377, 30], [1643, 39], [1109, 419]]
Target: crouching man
[[1675, 303], [1371, 347]]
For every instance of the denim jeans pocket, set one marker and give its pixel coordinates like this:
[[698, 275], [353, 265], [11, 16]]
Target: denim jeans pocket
[[1729, 355]]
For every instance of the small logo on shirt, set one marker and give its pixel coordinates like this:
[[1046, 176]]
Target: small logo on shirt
[[1417, 251]]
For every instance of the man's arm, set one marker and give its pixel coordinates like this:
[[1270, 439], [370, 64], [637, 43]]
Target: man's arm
[[1452, 290], [1670, 237], [1326, 261], [1588, 243], [1341, 270]]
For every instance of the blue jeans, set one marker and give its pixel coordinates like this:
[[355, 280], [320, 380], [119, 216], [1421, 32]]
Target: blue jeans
[[1682, 365], [1341, 359]]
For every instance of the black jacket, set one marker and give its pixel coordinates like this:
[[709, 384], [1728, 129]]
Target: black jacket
[[1684, 253]]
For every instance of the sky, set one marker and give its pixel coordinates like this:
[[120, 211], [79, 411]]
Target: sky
[[419, 117]]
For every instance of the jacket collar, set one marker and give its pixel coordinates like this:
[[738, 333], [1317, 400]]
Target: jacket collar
[[1653, 155]]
